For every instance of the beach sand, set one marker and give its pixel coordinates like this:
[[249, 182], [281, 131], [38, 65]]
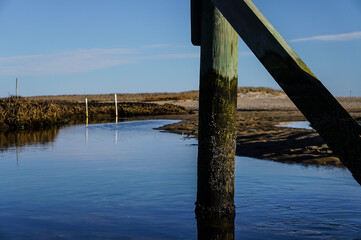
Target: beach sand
[[258, 135]]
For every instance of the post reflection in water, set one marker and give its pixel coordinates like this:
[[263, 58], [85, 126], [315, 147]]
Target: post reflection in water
[[86, 134], [17, 156], [17, 140], [116, 130], [95, 121], [214, 228], [116, 135], [86, 130]]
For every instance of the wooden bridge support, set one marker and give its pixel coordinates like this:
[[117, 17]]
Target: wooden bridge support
[[217, 114], [339, 130]]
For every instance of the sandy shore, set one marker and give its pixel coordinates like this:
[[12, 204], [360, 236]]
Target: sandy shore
[[259, 111], [259, 137]]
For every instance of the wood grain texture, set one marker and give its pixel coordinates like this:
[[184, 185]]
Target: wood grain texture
[[339, 130]]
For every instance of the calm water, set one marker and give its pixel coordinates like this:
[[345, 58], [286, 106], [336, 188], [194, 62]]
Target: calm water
[[299, 124], [128, 181]]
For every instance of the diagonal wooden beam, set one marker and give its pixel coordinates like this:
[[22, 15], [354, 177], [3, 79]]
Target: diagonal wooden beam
[[339, 130]]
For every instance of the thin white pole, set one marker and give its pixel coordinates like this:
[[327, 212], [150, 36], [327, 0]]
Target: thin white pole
[[16, 86], [86, 108], [116, 105], [86, 112]]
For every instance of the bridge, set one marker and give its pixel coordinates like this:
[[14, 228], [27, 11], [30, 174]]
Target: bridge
[[216, 25]]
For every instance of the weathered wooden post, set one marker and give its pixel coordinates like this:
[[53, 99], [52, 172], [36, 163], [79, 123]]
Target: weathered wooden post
[[217, 114]]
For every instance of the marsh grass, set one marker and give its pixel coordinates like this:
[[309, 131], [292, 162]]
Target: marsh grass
[[24, 113], [48, 111], [271, 91], [147, 97], [136, 97]]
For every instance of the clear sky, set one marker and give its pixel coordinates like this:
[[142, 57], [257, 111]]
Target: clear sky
[[107, 46]]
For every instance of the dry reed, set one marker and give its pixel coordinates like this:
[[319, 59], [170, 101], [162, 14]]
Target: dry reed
[[24, 113]]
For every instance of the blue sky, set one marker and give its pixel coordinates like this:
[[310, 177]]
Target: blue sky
[[78, 46]]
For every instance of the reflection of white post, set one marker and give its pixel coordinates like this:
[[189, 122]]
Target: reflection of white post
[[116, 105], [17, 156], [116, 136], [86, 135], [17, 145], [116, 130]]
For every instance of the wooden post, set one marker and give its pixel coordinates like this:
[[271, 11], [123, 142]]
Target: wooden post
[[326, 115], [116, 105], [196, 19], [217, 114], [86, 111]]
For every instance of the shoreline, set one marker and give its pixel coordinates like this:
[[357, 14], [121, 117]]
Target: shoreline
[[260, 138], [257, 134], [18, 113]]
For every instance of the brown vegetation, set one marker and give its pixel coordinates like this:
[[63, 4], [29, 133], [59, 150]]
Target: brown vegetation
[[136, 97], [271, 91], [24, 113], [190, 95], [147, 97]]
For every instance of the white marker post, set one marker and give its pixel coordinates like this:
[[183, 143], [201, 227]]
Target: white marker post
[[116, 105], [86, 111], [86, 108]]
